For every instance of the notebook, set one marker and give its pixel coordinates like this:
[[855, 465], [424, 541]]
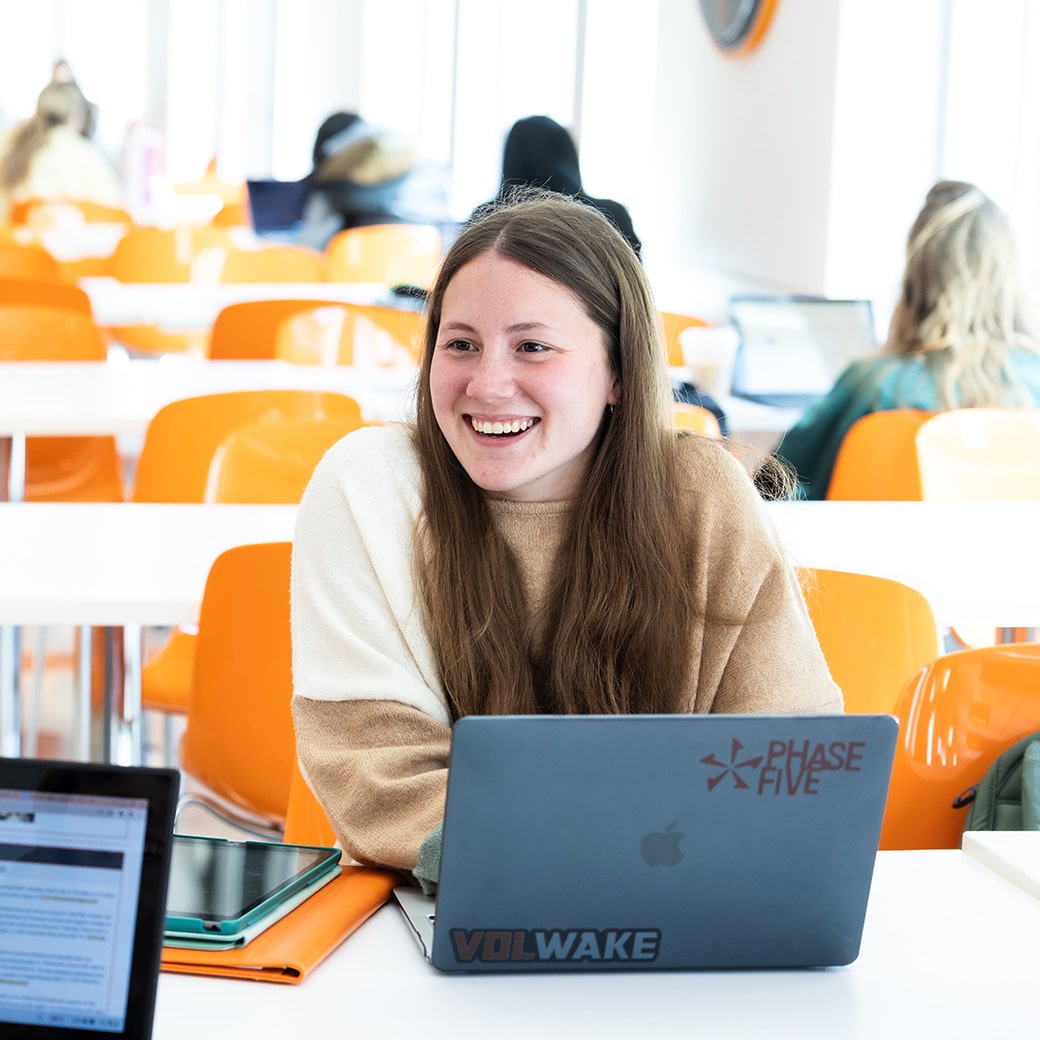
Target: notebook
[[585, 843], [1014, 855], [276, 207], [221, 890], [84, 861], [793, 348]]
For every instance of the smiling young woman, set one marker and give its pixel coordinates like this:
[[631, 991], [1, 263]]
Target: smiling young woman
[[542, 541]]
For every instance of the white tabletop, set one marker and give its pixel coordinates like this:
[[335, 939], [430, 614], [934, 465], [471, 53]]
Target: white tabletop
[[194, 306], [948, 951], [1014, 855], [89, 398], [115, 564], [95, 563], [976, 562]]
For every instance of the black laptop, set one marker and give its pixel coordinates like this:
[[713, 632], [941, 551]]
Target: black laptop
[[84, 863], [276, 207]]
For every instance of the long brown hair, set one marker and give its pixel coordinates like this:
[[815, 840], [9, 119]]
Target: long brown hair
[[620, 614], [56, 105], [961, 304]]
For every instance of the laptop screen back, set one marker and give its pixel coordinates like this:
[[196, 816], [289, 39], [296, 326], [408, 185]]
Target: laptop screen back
[[639, 842], [276, 207], [793, 348], [84, 858]]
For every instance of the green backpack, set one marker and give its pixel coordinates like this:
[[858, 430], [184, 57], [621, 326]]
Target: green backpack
[[1007, 798]]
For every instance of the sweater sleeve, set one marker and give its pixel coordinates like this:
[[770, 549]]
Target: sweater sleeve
[[759, 652], [379, 768]]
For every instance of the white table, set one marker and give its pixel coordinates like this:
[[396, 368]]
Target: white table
[[976, 562], [194, 306], [120, 396], [948, 951], [125, 564], [118, 565], [1014, 855]]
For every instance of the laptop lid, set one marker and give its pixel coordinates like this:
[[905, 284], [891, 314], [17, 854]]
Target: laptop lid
[[276, 207], [643, 842], [793, 348], [84, 858]]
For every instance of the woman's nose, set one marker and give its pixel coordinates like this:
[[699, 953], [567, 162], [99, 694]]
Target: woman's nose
[[491, 378]]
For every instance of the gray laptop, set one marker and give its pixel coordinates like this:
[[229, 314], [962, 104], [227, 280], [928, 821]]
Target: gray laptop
[[84, 861], [589, 843], [793, 348]]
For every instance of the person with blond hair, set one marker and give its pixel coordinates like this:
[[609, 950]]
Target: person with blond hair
[[541, 540], [47, 157], [960, 335]]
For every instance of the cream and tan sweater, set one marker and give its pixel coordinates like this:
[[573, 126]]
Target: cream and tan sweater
[[372, 722]]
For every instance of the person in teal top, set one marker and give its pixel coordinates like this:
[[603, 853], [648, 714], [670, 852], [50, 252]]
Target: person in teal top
[[959, 335]]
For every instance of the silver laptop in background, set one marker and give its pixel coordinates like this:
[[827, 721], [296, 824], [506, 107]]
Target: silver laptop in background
[[585, 843], [793, 348]]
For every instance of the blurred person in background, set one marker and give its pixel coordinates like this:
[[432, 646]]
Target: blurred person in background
[[47, 156]]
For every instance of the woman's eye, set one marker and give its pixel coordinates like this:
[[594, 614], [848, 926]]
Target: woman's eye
[[457, 345], [530, 347]]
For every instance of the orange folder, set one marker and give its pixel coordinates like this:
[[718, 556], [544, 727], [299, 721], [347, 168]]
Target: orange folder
[[301, 940]]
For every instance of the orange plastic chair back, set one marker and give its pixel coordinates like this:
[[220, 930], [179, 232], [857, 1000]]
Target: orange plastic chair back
[[48, 212], [390, 254], [693, 417], [877, 460], [274, 264], [180, 446], [238, 740], [874, 633], [672, 325], [27, 261], [365, 335], [273, 461], [207, 255], [247, 330], [64, 469], [306, 822], [972, 454], [955, 717], [44, 294], [182, 438]]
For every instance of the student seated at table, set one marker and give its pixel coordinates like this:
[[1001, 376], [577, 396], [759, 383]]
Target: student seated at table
[[959, 335], [47, 156], [542, 540]]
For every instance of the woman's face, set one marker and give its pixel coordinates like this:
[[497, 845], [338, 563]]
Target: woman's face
[[519, 381]]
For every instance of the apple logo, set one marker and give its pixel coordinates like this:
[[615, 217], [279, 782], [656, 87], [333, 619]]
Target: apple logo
[[661, 848]]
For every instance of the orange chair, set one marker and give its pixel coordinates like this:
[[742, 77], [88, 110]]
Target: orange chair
[[39, 212], [673, 325], [877, 460], [27, 261], [274, 264], [183, 436], [366, 335], [693, 417], [874, 632], [306, 822], [67, 469], [44, 294], [956, 716], [248, 330], [390, 254], [206, 255], [238, 740], [179, 447], [273, 461]]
